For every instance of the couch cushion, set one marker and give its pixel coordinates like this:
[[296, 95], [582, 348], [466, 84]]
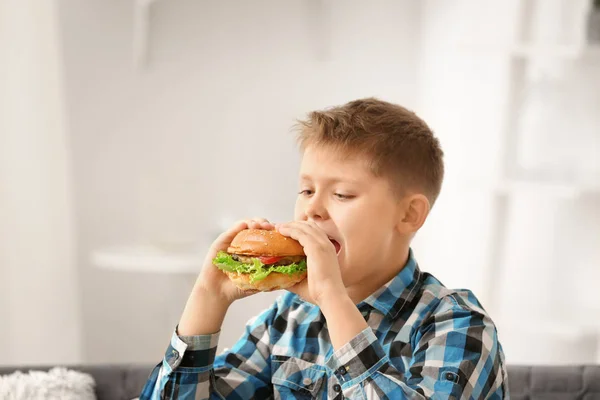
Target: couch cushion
[[58, 383], [113, 382], [125, 382], [554, 382]]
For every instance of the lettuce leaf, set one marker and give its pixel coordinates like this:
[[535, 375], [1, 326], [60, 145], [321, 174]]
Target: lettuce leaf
[[257, 271]]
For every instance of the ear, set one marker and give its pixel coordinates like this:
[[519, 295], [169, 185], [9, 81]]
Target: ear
[[414, 210]]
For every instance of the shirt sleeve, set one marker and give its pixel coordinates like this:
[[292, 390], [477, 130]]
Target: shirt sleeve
[[455, 355], [191, 369]]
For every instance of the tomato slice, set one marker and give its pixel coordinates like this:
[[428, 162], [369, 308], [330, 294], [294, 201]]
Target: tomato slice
[[269, 260]]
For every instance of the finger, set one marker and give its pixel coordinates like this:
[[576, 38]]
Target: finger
[[249, 292], [264, 223], [312, 240], [298, 232], [292, 231], [304, 233], [304, 236], [253, 224], [224, 239], [306, 226], [259, 223], [260, 220]]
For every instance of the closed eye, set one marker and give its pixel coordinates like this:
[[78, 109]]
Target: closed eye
[[343, 196]]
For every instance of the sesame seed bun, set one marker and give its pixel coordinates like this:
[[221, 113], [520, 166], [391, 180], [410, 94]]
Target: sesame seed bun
[[260, 242]]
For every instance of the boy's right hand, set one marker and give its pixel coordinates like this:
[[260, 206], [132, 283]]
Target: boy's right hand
[[213, 281], [213, 291]]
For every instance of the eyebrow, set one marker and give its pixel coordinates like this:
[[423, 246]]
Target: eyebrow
[[329, 179]]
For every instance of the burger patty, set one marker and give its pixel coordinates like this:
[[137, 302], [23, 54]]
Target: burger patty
[[284, 261]]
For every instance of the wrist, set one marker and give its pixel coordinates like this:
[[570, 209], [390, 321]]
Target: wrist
[[203, 314], [210, 296], [344, 320], [333, 298]]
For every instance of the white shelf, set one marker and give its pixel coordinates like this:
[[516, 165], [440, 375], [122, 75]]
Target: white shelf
[[561, 52], [537, 51], [558, 189], [546, 188], [147, 258]]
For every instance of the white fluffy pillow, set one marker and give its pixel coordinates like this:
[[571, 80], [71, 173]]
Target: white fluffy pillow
[[58, 383]]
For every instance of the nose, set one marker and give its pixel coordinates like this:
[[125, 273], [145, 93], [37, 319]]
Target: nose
[[316, 209]]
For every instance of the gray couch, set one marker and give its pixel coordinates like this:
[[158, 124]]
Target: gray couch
[[113, 382], [124, 382]]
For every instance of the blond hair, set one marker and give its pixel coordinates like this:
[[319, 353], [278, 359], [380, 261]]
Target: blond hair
[[398, 144]]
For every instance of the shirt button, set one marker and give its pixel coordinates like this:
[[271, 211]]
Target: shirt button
[[175, 354], [337, 388], [452, 377], [342, 370], [307, 381]]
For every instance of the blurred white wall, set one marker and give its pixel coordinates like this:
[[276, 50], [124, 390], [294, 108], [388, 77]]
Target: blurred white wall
[[40, 309], [167, 152], [515, 89], [515, 100], [163, 154], [463, 96]]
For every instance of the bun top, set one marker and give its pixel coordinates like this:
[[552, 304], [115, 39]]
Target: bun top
[[260, 242]]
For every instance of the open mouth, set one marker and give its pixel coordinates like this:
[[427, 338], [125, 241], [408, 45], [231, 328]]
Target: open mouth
[[337, 246]]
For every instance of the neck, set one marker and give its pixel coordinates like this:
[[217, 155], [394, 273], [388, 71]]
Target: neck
[[361, 290]]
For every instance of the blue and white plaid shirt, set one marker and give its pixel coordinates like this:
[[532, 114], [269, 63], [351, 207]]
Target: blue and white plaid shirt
[[424, 341]]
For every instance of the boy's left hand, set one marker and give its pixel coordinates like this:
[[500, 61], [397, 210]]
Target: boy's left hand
[[324, 276]]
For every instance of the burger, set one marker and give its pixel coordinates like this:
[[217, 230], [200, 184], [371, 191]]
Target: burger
[[263, 260]]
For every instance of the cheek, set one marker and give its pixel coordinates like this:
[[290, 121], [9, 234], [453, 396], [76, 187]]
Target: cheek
[[356, 222], [368, 238], [298, 210]]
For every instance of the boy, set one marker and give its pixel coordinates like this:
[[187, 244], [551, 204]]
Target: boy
[[367, 323]]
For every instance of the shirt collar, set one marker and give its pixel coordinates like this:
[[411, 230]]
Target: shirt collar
[[399, 291]]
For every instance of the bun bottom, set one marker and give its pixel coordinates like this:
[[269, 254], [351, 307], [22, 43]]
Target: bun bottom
[[274, 281]]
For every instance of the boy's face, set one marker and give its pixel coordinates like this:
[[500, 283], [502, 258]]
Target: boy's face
[[355, 208]]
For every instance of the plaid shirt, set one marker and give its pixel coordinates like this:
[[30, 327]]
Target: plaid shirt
[[424, 341]]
